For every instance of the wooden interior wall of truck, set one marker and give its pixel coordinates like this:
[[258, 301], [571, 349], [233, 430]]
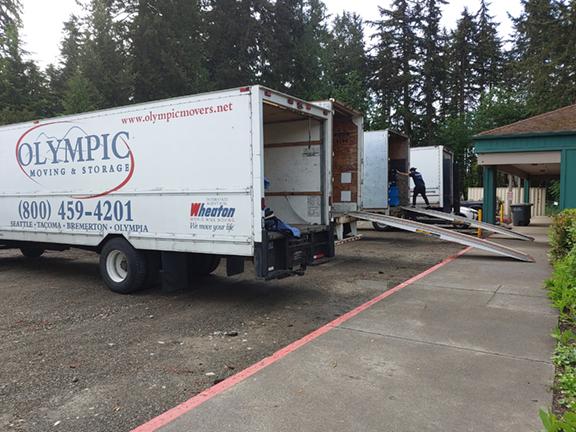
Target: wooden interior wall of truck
[[345, 163]]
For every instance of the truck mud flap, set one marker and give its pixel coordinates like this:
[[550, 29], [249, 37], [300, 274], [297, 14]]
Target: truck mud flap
[[444, 234]]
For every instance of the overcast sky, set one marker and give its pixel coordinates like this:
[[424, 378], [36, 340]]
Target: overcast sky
[[43, 19]]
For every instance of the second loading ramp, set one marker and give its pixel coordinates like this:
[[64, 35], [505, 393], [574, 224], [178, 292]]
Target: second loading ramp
[[443, 234], [460, 220]]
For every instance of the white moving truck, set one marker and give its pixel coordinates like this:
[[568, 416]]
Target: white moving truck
[[436, 164], [173, 186]]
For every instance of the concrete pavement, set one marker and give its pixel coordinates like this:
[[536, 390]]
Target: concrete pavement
[[466, 348]]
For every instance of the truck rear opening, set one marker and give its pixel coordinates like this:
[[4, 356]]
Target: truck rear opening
[[296, 147]]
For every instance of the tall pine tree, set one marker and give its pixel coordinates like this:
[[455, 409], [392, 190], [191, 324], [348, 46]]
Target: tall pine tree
[[461, 73], [535, 54], [348, 65], [234, 33], [23, 88], [567, 52], [168, 49], [488, 56], [395, 64], [9, 17], [295, 48], [105, 56], [433, 71]]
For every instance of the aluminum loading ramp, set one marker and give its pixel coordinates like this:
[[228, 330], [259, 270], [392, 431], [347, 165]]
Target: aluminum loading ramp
[[443, 234], [468, 222]]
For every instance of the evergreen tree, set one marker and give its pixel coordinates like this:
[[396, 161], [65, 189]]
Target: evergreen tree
[[348, 66], [70, 62], [71, 49], [234, 31], [23, 88], [567, 52], [295, 48], [461, 74], [168, 51], [395, 64], [433, 71], [488, 55], [105, 59], [537, 67], [80, 95], [9, 18]]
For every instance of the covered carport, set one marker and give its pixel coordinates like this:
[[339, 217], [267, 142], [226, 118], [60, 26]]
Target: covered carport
[[540, 147]]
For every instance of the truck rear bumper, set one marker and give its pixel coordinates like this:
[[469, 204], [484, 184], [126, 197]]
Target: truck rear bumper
[[280, 256]]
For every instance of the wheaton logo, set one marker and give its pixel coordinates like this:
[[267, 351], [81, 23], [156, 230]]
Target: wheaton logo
[[201, 210]]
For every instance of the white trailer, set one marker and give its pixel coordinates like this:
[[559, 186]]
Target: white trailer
[[436, 164], [173, 186]]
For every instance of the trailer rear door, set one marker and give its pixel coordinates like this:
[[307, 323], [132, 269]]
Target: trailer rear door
[[375, 183]]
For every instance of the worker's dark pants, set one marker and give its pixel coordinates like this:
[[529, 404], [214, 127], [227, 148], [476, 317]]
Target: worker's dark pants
[[420, 190]]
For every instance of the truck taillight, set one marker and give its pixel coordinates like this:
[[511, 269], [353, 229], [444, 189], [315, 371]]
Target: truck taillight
[[268, 93], [290, 101], [244, 89], [263, 203]]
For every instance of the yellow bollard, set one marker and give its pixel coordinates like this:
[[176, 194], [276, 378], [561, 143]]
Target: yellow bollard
[[480, 220], [501, 214]]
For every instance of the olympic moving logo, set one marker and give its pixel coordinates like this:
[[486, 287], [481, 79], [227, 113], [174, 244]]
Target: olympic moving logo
[[63, 155]]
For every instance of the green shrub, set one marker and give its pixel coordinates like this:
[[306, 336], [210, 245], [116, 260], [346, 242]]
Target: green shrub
[[562, 286], [554, 424], [567, 386], [565, 355], [563, 234], [562, 292]]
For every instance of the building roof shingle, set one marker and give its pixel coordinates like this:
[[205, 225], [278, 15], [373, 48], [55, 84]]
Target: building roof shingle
[[560, 120]]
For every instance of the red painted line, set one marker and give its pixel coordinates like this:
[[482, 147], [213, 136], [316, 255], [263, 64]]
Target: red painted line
[[172, 414]]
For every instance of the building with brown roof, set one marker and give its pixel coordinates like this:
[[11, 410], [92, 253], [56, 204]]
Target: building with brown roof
[[543, 146]]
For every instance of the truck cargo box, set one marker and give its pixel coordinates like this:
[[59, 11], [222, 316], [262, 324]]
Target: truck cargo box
[[436, 164], [182, 177]]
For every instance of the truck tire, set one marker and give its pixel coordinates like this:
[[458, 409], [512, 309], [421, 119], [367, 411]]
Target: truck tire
[[203, 264], [381, 227], [123, 268], [32, 251]]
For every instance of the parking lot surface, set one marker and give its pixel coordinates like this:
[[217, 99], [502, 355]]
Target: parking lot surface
[[77, 357]]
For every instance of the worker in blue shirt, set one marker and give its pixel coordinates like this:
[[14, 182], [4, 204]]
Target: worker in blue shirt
[[419, 186]]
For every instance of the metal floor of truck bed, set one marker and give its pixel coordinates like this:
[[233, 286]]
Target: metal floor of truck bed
[[443, 234]]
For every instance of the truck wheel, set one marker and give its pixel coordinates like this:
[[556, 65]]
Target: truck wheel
[[123, 268], [32, 251], [380, 227], [203, 264]]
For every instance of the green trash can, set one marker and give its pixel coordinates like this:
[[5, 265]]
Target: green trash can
[[521, 214]]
